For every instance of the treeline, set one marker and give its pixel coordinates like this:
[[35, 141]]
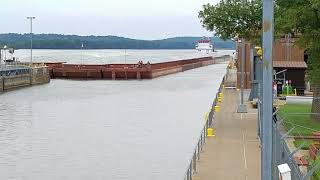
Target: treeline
[[58, 41]]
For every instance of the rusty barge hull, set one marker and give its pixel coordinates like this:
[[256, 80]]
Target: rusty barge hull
[[125, 71]]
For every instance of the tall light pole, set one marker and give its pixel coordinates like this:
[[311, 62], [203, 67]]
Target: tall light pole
[[31, 19], [267, 98], [242, 108]]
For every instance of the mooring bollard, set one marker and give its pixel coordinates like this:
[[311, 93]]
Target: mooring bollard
[[219, 99], [216, 108], [210, 132]]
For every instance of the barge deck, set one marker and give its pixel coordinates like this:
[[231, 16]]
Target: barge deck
[[126, 71]]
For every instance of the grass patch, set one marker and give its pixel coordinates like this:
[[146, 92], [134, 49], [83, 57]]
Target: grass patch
[[308, 126], [303, 123], [306, 146]]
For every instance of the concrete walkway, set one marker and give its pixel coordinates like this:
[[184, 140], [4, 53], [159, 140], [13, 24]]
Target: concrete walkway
[[234, 153]]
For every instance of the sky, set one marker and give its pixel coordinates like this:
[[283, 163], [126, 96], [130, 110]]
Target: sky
[[139, 19]]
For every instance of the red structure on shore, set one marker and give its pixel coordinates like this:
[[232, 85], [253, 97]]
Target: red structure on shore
[[125, 71]]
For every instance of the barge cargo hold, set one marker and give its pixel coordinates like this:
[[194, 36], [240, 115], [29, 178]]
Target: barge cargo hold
[[125, 71]]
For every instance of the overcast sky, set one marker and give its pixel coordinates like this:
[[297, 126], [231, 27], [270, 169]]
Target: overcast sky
[[142, 19]]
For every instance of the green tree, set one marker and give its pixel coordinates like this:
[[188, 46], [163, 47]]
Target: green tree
[[231, 18], [302, 19], [234, 18]]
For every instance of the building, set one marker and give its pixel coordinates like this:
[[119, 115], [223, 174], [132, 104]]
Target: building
[[289, 62]]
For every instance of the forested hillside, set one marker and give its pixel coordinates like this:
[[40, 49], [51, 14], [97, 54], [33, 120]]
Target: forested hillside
[[58, 41]]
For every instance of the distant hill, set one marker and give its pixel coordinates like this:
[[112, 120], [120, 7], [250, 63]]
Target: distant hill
[[58, 41]]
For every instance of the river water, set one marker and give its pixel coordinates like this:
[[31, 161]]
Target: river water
[[117, 130], [112, 56]]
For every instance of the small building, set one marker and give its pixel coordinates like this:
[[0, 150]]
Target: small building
[[289, 63]]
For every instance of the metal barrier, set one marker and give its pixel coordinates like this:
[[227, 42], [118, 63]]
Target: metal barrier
[[283, 132], [14, 70], [27, 64], [192, 167], [282, 153]]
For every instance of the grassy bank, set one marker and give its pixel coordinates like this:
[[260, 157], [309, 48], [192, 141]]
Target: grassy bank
[[296, 115]]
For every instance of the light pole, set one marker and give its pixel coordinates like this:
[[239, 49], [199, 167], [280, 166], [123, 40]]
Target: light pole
[[242, 108], [267, 98], [31, 19]]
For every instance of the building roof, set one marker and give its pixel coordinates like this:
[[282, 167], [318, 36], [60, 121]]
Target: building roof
[[290, 64]]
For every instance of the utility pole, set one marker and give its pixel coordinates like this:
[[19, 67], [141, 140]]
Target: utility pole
[[242, 108], [267, 98], [31, 41]]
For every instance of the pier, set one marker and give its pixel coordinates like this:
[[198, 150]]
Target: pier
[[233, 153], [228, 147]]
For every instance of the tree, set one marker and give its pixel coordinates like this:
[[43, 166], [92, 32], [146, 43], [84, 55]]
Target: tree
[[302, 19], [234, 18]]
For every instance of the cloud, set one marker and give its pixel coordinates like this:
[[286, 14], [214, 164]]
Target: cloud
[[144, 19]]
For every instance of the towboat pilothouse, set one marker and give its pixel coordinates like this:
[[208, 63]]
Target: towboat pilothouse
[[205, 45]]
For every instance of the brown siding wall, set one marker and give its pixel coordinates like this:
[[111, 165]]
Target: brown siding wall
[[279, 54], [281, 51]]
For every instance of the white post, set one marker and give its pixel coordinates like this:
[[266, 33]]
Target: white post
[[284, 172], [5, 53], [82, 54]]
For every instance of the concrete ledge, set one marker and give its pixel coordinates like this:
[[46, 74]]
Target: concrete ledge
[[36, 75], [1, 85], [11, 82], [299, 100]]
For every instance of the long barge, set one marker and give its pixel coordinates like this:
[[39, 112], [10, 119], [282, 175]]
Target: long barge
[[125, 71]]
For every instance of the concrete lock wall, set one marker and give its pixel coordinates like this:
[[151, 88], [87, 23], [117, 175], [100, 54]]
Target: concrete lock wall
[[39, 75], [11, 82], [1, 84]]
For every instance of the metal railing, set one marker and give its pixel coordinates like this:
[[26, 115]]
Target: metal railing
[[283, 131], [27, 64], [192, 166], [282, 153]]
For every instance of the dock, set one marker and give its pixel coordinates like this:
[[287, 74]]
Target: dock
[[234, 150], [233, 153]]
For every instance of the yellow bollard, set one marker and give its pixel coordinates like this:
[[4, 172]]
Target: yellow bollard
[[223, 86], [217, 108], [220, 94], [219, 99], [238, 89], [210, 132]]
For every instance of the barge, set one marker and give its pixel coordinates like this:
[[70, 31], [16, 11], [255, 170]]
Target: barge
[[138, 71]]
